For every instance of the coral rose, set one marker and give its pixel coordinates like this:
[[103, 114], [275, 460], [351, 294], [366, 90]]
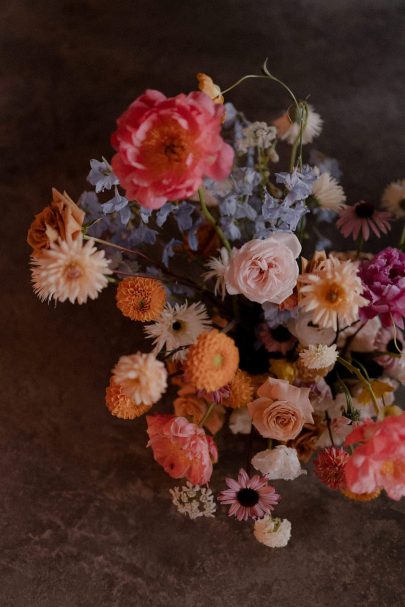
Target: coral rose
[[281, 410], [379, 461], [265, 270], [62, 218], [165, 146], [181, 448]]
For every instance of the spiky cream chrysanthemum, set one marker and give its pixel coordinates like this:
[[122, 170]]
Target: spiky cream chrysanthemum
[[70, 270], [319, 356], [121, 405], [218, 267], [393, 198], [241, 390], [178, 326], [142, 377], [332, 293], [141, 298], [328, 193], [211, 362]]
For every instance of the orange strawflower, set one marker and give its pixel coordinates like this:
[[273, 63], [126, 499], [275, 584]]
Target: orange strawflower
[[211, 361], [121, 405], [141, 298], [361, 497], [242, 390]]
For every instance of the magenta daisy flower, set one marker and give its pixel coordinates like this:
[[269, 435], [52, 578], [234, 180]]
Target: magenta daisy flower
[[249, 497], [362, 217]]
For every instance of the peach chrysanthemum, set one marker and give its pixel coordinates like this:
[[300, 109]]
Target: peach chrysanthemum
[[70, 270], [361, 497], [141, 298], [121, 405], [332, 293], [242, 390], [142, 377], [211, 361]]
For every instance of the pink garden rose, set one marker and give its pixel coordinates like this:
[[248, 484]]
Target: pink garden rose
[[182, 448], [165, 146], [265, 270], [281, 410], [379, 461]]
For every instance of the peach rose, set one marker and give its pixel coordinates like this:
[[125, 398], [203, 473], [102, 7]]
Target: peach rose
[[189, 405], [281, 409], [62, 218], [265, 270]]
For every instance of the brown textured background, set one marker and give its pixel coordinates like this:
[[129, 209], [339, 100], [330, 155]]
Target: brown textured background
[[85, 515]]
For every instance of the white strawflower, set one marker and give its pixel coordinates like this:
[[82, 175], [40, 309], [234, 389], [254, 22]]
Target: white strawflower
[[257, 134], [195, 501], [312, 129], [142, 377], [319, 356], [178, 326], [218, 267], [393, 198], [272, 532], [70, 270], [307, 333], [328, 193], [240, 421], [280, 462]]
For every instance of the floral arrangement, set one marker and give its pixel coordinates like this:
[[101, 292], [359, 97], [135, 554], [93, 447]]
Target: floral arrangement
[[202, 236]]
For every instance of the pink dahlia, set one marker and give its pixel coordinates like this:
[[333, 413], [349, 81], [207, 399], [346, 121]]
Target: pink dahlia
[[165, 146], [360, 218], [383, 280], [379, 460], [329, 467], [249, 497], [181, 448]]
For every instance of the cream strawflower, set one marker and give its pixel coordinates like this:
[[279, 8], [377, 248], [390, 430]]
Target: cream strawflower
[[142, 377], [331, 293], [178, 326], [280, 462], [272, 532], [393, 198], [328, 193], [218, 267], [319, 357], [70, 270], [312, 128]]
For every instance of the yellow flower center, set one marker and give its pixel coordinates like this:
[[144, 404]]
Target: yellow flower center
[[387, 468], [333, 293], [167, 147], [217, 360]]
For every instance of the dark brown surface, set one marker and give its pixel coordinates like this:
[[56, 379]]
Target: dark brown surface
[[85, 514]]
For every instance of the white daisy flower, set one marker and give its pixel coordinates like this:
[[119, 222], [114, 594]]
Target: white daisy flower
[[319, 356], [393, 198], [218, 266], [272, 532], [70, 270], [178, 326], [328, 193]]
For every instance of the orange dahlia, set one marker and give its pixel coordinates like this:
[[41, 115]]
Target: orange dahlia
[[242, 390], [121, 405], [211, 361], [141, 298]]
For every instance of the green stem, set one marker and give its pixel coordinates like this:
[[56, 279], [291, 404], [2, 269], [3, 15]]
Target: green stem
[[401, 245], [207, 214], [355, 371], [360, 242], [207, 414]]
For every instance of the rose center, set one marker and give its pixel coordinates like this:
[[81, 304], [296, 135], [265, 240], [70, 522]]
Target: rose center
[[247, 497], [73, 271], [364, 210]]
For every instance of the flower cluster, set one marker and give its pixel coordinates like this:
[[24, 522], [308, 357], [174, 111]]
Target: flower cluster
[[201, 235]]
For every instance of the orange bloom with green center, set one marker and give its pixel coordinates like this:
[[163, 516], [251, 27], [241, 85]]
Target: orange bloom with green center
[[166, 146], [211, 361], [141, 298]]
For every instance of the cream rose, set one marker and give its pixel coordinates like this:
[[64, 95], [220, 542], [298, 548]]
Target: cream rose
[[281, 410], [265, 270]]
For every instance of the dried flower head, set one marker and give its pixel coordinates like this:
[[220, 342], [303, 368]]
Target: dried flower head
[[212, 361], [319, 357], [121, 405], [142, 377], [141, 298], [194, 501], [241, 390], [329, 467]]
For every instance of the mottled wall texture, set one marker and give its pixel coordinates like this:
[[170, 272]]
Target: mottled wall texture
[[85, 516]]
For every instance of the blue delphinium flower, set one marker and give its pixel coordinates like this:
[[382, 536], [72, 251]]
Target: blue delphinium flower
[[298, 184], [275, 317], [142, 235], [183, 215], [168, 250], [101, 175], [118, 204], [325, 164], [163, 213]]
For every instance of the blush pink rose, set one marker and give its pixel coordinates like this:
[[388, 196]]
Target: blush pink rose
[[281, 410], [379, 460], [165, 146], [265, 270], [181, 448]]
